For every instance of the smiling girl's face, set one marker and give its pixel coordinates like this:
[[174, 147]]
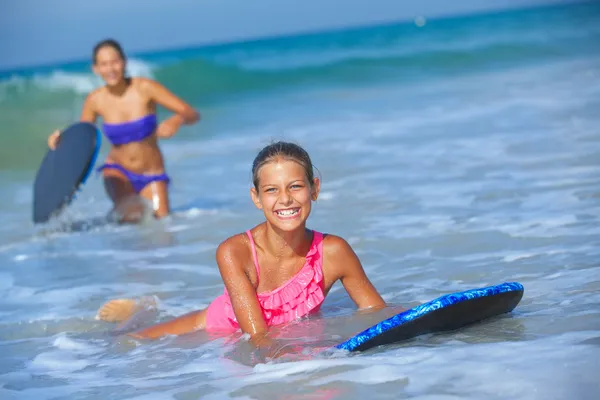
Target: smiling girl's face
[[285, 194]]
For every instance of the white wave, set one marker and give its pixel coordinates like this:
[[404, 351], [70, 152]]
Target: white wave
[[59, 80], [63, 342], [81, 83]]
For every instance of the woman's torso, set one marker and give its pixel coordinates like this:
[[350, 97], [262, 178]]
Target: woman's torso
[[129, 123]]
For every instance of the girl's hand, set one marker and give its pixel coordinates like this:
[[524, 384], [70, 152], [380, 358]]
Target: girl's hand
[[270, 348]]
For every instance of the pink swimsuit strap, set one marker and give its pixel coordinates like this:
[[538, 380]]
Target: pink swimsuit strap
[[254, 254]]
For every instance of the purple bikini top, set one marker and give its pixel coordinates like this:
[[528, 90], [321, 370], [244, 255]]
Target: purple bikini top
[[130, 131]]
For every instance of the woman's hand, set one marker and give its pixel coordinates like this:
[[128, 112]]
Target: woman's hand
[[169, 127], [53, 139]]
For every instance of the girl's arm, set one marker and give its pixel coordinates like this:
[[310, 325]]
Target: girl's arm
[[347, 267], [232, 255]]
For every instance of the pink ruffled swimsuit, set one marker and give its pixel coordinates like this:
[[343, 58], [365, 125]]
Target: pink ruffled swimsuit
[[299, 296]]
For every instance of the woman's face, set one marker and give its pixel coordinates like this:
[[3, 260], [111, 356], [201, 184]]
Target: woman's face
[[110, 66]]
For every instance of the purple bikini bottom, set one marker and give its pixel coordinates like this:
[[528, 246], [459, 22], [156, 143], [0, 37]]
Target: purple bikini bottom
[[138, 181]]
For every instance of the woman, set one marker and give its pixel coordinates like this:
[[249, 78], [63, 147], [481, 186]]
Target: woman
[[134, 166]]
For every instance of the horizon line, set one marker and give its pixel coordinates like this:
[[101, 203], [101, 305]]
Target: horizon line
[[141, 53]]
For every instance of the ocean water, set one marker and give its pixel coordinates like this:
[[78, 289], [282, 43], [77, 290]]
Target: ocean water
[[455, 153]]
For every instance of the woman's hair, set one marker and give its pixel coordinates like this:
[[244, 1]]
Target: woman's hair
[[108, 43], [285, 150]]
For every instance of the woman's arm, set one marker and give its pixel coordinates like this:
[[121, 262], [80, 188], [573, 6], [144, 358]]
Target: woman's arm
[[163, 96], [184, 113], [346, 265], [88, 114]]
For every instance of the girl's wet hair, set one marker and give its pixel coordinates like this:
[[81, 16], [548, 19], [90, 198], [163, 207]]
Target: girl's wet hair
[[108, 43], [285, 150]]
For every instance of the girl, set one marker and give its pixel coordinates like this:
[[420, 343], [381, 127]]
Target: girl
[[277, 271], [127, 106]]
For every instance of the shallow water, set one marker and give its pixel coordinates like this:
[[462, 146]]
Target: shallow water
[[441, 185]]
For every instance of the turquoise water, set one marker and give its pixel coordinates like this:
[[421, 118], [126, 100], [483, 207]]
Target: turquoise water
[[457, 154]]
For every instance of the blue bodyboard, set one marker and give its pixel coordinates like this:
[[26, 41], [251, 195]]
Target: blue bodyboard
[[64, 169], [446, 313]]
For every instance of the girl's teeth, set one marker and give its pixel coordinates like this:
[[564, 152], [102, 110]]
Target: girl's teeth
[[287, 212]]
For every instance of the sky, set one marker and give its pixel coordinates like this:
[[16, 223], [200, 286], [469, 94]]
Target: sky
[[39, 32]]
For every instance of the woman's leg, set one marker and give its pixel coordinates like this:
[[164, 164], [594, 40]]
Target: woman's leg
[[158, 194], [126, 202]]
